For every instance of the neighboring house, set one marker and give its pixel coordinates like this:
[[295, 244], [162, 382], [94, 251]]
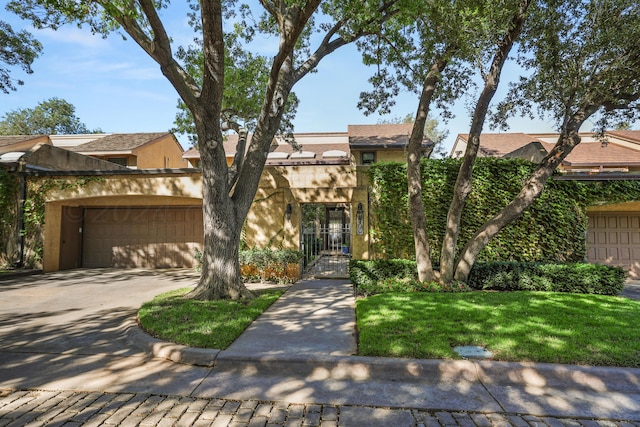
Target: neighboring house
[[613, 235], [21, 143], [134, 150], [313, 199], [619, 152]]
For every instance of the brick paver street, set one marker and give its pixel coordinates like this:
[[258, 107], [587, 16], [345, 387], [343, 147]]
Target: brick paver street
[[68, 409]]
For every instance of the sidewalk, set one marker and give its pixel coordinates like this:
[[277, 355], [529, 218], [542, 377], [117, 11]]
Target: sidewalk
[[302, 350], [280, 372]]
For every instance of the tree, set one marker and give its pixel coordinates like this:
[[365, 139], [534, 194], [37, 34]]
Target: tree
[[582, 63], [431, 131], [441, 58], [227, 191], [51, 117], [16, 49]]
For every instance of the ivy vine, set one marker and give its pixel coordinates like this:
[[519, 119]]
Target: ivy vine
[[553, 229], [33, 215]]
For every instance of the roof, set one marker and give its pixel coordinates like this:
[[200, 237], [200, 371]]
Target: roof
[[500, 144], [21, 142], [381, 135], [327, 147], [595, 153], [119, 142], [590, 152], [629, 135], [16, 139]]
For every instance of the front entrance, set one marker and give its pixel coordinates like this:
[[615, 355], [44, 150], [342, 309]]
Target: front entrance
[[325, 231]]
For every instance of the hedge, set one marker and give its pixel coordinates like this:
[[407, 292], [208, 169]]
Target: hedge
[[553, 229], [371, 277]]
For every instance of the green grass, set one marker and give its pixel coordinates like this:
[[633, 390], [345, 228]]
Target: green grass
[[515, 326], [205, 324]]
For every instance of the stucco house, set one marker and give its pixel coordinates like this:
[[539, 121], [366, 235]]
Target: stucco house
[[613, 235], [133, 150], [314, 199]]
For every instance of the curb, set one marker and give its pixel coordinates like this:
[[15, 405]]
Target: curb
[[166, 350], [434, 371]]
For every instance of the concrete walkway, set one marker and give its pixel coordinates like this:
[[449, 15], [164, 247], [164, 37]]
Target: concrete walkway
[[314, 317], [71, 354]]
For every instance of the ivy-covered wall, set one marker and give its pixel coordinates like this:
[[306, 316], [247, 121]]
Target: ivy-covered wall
[[9, 190], [553, 229], [33, 216]]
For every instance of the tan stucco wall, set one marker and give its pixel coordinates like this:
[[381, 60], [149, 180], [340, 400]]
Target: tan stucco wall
[[163, 153], [266, 221]]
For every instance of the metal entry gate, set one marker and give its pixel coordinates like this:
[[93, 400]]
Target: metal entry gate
[[331, 239]]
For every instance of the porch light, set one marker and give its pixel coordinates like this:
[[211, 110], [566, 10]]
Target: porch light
[[360, 220], [288, 211]]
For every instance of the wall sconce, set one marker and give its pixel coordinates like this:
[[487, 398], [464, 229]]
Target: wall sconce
[[287, 212], [360, 220]]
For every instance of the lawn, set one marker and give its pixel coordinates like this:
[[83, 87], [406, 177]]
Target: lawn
[[205, 324], [515, 326]]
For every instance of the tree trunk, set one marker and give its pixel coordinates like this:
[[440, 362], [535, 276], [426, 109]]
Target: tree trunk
[[463, 187], [220, 277], [414, 176], [530, 191]]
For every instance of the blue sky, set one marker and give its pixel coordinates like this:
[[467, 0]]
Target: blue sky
[[116, 87]]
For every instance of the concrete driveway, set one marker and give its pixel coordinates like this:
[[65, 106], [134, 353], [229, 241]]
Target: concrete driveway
[[66, 330]]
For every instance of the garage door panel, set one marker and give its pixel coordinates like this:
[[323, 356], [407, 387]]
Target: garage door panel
[[164, 237], [614, 238]]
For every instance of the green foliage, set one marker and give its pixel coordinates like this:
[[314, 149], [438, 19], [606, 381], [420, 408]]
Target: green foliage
[[408, 284], [270, 265], [551, 230], [575, 277], [18, 49], [373, 277], [50, 117], [578, 53], [9, 189]]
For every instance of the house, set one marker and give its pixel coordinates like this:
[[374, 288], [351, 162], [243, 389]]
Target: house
[[313, 198], [613, 235], [618, 152], [134, 150]]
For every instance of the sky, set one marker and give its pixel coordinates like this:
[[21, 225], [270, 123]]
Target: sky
[[117, 88]]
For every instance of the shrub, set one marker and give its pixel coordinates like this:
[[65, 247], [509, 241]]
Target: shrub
[[266, 265], [371, 277], [270, 265], [574, 277], [376, 277]]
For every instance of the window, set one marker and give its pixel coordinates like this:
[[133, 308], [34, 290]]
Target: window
[[122, 161], [368, 157]]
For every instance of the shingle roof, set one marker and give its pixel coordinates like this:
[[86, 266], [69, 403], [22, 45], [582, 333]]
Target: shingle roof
[[499, 144], [596, 154], [15, 139], [630, 135], [382, 135], [587, 153], [119, 142]]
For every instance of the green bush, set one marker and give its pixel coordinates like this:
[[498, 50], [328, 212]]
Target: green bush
[[574, 277], [371, 277], [377, 277]]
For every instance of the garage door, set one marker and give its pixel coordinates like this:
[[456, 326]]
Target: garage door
[[165, 237], [614, 239]]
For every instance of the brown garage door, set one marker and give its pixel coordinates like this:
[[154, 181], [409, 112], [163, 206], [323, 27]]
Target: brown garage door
[[158, 237], [614, 239]]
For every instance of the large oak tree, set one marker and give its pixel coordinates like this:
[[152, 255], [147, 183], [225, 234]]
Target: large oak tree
[[227, 191]]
